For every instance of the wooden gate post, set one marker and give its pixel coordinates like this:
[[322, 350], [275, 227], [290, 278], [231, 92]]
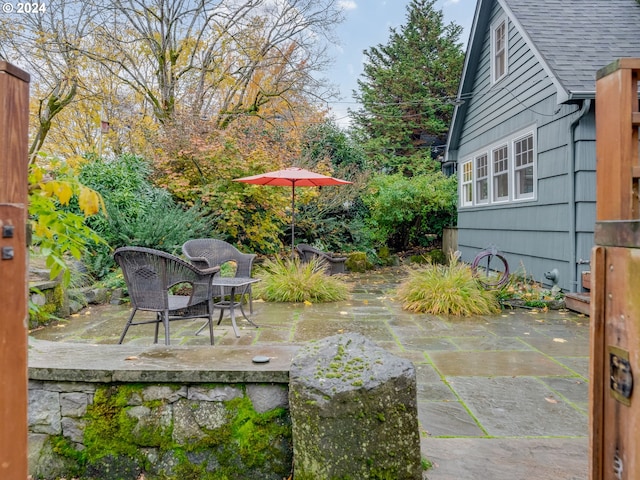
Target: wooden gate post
[[14, 123], [614, 389]]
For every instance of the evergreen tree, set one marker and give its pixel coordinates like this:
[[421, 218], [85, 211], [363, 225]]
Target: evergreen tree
[[407, 88]]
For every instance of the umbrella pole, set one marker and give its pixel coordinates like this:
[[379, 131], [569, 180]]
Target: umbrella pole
[[293, 216]]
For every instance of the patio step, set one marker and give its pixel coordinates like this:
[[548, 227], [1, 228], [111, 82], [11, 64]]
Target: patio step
[[578, 302]]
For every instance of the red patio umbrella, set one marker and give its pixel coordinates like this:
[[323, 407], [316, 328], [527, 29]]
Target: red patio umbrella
[[292, 177]]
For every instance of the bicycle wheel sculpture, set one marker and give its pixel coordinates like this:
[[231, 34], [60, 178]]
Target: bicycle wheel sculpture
[[490, 276]]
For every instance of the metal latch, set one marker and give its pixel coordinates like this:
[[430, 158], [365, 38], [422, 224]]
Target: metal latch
[[620, 375]]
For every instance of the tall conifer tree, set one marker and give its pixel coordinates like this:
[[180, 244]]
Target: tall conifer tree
[[407, 88]]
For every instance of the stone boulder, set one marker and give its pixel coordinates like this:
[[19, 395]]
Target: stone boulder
[[354, 411]]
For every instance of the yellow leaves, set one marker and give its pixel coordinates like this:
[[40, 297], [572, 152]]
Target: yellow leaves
[[89, 201], [42, 230], [59, 189]]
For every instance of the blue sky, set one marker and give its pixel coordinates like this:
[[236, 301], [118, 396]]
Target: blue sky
[[367, 24]]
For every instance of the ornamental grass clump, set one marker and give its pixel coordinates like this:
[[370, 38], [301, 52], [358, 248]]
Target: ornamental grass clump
[[290, 280], [446, 290]]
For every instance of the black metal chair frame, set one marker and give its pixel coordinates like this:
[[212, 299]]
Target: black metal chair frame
[[150, 274]]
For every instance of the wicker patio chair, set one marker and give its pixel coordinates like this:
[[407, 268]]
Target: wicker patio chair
[[334, 264], [150, 274], [210, 252]]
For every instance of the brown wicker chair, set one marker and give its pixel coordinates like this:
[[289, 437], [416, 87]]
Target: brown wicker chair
[[210, 252], [150, 274], [334, 264]]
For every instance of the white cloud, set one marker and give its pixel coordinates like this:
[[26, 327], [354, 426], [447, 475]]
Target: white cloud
[[452, 2], [347, 4]]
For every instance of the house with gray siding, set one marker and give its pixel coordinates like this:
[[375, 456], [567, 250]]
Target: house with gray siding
[[522, 139]]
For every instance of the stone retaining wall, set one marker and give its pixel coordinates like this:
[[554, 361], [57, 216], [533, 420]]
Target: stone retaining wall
[[127, 412], [116, 431], [120, 412]]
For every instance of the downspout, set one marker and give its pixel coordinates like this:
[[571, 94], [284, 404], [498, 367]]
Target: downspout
[[586, 106]]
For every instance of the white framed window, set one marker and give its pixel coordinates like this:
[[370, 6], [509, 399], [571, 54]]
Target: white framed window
[[482, 178], [500, 173], [466, 184], [499, 50], [504, 171], [523, 171]]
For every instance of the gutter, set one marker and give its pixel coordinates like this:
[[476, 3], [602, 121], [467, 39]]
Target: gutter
[[573, 261]]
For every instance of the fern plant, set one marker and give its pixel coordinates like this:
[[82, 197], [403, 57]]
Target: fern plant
[[446, 290], [289, 280]]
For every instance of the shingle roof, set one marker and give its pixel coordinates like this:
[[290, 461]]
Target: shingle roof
[[578, 37]]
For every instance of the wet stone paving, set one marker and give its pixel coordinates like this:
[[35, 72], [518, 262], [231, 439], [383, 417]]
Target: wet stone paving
[[499, 397]]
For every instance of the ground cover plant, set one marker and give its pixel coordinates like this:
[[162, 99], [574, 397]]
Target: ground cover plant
[[523, 291], [289, 280], [446, 290]]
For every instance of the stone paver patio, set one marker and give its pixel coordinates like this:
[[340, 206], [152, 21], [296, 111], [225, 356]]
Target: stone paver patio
[[499, 397]]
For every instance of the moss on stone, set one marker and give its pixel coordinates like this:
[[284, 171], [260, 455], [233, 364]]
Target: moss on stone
[[52, 309], [249, 443], [358, 262]]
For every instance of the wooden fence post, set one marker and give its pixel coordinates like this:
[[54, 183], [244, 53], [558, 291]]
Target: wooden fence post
[[614, 387], [14, 124]]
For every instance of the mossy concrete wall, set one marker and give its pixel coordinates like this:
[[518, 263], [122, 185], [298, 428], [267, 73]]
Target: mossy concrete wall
[[125, 412], [159, 431]]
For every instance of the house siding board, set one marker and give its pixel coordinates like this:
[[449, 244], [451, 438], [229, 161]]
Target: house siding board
[[515, 244], [586, 217], [586, 157], [553, 190], [586, 187], [551, 164], [584, 246], [545, 218]]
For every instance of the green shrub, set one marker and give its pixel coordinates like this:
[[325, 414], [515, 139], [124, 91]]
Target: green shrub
[[291, 281], [404, 211], [437, 256], [137, 213], [446, 290]]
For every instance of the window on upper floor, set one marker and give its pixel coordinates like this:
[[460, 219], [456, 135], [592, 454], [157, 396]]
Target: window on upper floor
[[502, 172], [499, 50]]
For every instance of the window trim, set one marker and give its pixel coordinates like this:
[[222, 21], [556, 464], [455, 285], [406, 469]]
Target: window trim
[[532, 194], [472, 159], [466, 183], [503, 53], [477, 179], [506, 172]]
